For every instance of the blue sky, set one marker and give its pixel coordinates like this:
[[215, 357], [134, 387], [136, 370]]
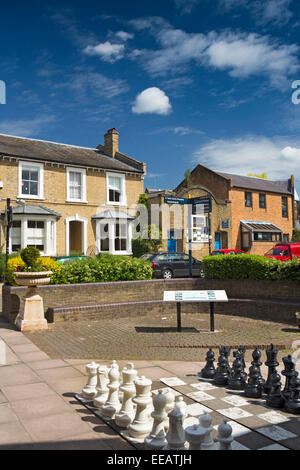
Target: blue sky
[[183, 81]]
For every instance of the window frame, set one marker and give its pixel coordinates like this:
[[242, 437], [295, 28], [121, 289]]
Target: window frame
[[49, 233], [265, 200], [82, 171], [122, 201], [286, 206], [251, 199], [40, 168]]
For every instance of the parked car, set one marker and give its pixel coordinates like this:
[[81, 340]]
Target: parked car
[[228, 252], [167, 265], [69, 259], [284, 251]]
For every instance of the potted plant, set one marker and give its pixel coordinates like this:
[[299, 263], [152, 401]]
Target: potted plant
[[32, 275], [298, 318]]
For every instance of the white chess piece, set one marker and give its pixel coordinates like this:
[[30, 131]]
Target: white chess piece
[[224, 436], [89, 391], [176, 435], [205, 422], [156, 440], [112, 404], [127, 412], [195, 435], [101, 388], [180, 403], [142, 423], [169, 406]]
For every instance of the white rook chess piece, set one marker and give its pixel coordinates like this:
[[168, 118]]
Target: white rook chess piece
[[224, 436], [169, 406], [157, 438], [142, 423], [89, 391], [127, 412], [176, 434], [180, 403], [195, 435], [207, 443], [101, 388], [112, 404]]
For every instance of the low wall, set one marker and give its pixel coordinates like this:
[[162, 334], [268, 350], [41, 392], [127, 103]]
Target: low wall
[[267, 300]]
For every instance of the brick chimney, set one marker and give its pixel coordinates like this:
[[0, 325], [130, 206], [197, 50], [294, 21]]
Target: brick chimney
[[111, 142]]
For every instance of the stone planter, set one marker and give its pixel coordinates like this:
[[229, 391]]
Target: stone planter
[[32, 316]]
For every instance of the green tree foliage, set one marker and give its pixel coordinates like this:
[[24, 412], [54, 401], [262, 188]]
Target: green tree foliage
[[263, 175], [187, 177], [296, 235], [143, 199], [146, 241]]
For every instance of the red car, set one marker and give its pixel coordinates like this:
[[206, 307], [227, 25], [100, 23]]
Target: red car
[[284, 251], [228, 252]]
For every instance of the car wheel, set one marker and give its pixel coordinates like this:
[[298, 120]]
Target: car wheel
[[167, 274]]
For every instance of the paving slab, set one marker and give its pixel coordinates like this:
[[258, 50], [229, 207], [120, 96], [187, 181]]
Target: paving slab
[[17, 375], [23, 392], [39, 407]]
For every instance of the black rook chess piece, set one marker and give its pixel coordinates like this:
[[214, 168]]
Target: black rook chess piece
[[274, 398], [253, 389], [221, 375], [236, 381], [292, 404], [209, 371], [271, 363]]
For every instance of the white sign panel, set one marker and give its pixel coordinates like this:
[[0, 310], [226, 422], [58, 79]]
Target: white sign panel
[[195, 296]]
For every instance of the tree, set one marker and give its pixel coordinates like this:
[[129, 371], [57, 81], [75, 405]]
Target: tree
[[143, 199], [296, 235], [187, 177], [263, 175], [149, 241]]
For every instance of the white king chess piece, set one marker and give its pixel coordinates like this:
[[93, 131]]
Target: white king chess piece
[[142, 423], [156, 440], [112, 404], [176, 434], [89, 391], [127, 412], [101, 388]]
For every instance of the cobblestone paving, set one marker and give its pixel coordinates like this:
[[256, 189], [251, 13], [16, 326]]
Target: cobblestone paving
[[156, 338]]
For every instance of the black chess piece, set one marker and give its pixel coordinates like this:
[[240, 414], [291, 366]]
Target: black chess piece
[[209, 371], [221, 375], [225, 350], [256, 355], [236, 380], [292, 404], [253, 389], [274, 398], [289, 372], [242, 351], [271, 363]]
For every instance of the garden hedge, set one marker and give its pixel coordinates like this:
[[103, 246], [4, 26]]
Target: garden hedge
[[250, 267]]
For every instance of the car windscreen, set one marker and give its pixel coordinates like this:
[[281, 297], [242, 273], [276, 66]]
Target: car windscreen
[[215, 253], [277, 252], [147, 256]]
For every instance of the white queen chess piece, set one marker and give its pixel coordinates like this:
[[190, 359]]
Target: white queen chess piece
[[112, 404], [89, 391], [101, 388], [142, 423], [127, 412], [156, 440]]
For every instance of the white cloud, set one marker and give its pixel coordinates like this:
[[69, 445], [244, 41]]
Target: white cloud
[[124, 36], [186, 6], [89, 85], [106, 51], [152, 101], [264, 12], [181, 130], [251, 154], [26, 128]]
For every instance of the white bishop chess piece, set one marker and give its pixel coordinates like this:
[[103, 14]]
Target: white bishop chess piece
[[224, 436], [101, 388], [176, 434], [89, 390], [127, 412], [142, 423], [156, 440], [112, 404]]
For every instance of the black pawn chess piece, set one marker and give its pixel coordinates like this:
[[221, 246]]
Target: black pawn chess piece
[[236, 381], [292, 404], [271, 363], [253, 389], [256, 355], [221, 375], [274, 398], [209, 371], [225, 351], [289, 372]]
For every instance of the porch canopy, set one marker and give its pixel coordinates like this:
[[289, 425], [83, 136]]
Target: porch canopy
[[32, 209], [113, 214], [261, 230]]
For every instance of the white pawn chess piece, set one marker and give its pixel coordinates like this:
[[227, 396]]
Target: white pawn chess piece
[[224, 436], [142, 423], [101, 388], [112, 404], [195, 435], [89, 391], [176, 435], [180, 403], [169, 406], [127, 412], [205, 422], [156, 440]]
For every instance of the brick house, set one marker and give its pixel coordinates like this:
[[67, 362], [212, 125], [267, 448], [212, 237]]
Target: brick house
[[67, 198], [247, 213]]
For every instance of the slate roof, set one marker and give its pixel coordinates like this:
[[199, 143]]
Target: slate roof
[[41, 150], [259, 184], [32, 209]]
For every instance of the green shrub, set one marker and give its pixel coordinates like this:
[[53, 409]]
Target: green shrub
[[29, 255], [12, 267], [289, 270]]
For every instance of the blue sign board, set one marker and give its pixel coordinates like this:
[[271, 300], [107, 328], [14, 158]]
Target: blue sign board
[[225, 224]]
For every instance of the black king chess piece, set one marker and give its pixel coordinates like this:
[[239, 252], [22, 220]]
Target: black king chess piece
[[274, 398], [221, 375], [271, 363], [253, 389], [256, 355], [209, 371], [289, 372], [292, 404], [236, 381]]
